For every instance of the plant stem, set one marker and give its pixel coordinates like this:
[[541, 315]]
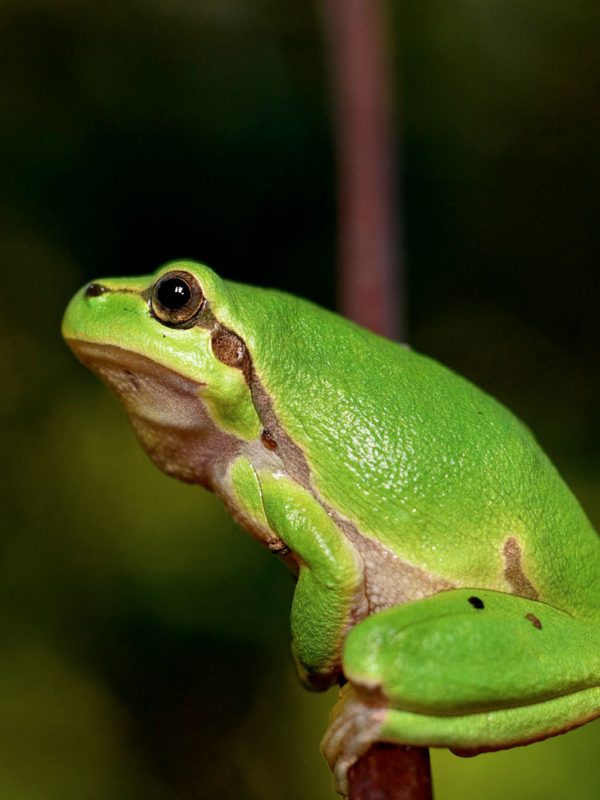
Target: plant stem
[[391, 772], [369, 252], [370, 271]]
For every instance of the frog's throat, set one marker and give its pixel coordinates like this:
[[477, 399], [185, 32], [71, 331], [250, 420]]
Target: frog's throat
[[166, 411]]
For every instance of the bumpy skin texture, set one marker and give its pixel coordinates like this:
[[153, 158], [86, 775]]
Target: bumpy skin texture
[[400, 493]]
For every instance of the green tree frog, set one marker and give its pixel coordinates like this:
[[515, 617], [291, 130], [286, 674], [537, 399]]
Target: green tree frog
[[447, 578]]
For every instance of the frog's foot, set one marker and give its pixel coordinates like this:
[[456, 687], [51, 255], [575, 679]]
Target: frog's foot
[[355, 726], [472, 670]]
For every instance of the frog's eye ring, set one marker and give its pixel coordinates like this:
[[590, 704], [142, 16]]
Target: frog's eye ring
[[176, 298]]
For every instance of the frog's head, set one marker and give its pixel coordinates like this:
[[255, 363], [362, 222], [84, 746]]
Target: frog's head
[[160, 343]]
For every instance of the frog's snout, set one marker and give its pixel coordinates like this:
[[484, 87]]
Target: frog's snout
[[94, 289]]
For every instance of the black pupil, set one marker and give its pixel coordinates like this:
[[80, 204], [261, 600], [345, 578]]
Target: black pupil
[[173, 294]]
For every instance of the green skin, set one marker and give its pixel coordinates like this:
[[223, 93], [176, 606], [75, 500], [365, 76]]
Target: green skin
[[444, 568]]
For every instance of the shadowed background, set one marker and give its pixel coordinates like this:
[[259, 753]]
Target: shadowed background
[[144, 648]]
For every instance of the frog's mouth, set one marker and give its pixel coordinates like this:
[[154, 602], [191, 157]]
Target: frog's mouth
[[165, 408]]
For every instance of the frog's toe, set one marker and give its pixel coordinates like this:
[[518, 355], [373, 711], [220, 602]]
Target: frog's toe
[[355, 726]]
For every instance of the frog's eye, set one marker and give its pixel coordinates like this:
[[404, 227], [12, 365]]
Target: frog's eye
[[176, 298]]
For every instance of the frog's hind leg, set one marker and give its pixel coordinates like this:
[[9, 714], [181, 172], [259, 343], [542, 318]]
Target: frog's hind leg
[[468, 669]]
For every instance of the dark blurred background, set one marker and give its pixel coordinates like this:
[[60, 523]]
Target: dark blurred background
[[144, 649]]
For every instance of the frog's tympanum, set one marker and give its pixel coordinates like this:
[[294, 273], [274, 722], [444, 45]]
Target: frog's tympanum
[[447, 577]]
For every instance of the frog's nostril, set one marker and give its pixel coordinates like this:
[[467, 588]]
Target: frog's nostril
[[95, 290]]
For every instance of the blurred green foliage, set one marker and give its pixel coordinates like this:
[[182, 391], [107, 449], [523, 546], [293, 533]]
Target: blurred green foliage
[[144, 638]]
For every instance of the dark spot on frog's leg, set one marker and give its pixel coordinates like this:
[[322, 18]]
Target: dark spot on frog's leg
[[476, 602], [513, 570], [95, 290], [277, 547], [268, 440], [534, 621]]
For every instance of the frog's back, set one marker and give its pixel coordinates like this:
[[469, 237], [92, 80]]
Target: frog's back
[[419, 458]]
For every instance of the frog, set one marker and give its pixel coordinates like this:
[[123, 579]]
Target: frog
[[447, 579]]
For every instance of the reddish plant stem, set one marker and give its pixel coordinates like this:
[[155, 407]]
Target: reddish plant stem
[[370, 271], [391, 772], [369, 262]]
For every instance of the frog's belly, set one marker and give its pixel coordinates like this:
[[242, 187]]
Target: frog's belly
[[389, 580]]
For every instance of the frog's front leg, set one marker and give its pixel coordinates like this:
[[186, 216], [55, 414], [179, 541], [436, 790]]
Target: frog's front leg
[[329, 596], [472, 670]]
